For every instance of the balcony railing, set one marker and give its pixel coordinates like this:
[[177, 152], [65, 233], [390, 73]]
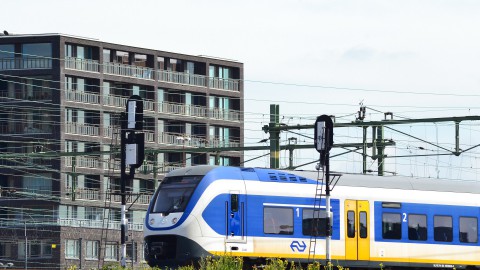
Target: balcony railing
[[181, 78], [82, 129], [181, 139], [81, 64], [97, 224], [224, 84], [115, 101], [223, 143], [25, 63], [83, 97], [221, 114], [142, 198], [38, 128], [90, 162], [92, 194], [128, 70], [199, 111]]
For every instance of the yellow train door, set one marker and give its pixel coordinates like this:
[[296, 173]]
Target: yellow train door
[[357, 230]]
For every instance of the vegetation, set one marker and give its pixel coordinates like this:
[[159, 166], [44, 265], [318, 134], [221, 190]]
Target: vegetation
[[228, 263]]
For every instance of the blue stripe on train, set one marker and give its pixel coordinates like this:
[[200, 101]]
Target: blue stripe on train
[[214, 214], [430, 210]]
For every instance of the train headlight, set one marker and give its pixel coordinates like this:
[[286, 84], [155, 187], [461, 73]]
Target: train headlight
[[152, 221], [174, 220]]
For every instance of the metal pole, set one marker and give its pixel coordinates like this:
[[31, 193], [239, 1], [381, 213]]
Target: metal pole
[[123, 180], [26, 246], [329, 214], [274, 136], [364, 150], [380, 150]]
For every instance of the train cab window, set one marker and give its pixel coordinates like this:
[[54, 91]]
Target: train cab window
[[277, 220], [442, 228], [468, 230], [314, 222], [391, 226], [363, 224], [174, 194], [417, 227], [234, 202], [351, 224]]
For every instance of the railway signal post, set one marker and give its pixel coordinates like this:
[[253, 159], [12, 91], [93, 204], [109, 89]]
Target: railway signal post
[[323, 143], [132, 155]]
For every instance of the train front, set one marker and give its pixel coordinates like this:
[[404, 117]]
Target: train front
[[170, 229]]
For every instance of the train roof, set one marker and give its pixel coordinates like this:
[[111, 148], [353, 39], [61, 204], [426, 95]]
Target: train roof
[[356, 180]]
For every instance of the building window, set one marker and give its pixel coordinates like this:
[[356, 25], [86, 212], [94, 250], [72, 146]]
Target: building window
[[131, 251], [391, 226], [417, 227], [468, 230], [92, 250], [314, 222], [37, 55], [35, 249], [5, 249], [277, 220], [161, 63], [72, 249], [111, 252], [140, 60], [122, 58], [106, 56], [442, 228]]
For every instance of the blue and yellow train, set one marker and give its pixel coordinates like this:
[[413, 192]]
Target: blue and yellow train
[[263, 213]]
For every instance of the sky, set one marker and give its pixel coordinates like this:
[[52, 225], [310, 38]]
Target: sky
[[414, 58]]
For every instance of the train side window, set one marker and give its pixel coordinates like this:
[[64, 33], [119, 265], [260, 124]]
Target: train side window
[[391, 226], [350, 224], [234, 202], [314, 223], [277, 220], [417, 227], [442, 228], [363, 224], [468, 230]]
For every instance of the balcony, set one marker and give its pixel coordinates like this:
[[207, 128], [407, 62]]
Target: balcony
[[81, 64], [181, 78], [140, 199], [223, 84], [97, 224], [182, 109], [199, 111], [218, 142], [91, 194], [222, 114], [128, 70], [90, 162], [82, 97], [82, 129], [25, 63], [18, 128], [181, 140]]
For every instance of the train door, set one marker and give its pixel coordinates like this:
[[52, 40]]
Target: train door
[[357, 230], [235, 216]]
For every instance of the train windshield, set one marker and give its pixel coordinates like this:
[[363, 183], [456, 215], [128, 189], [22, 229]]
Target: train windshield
[[174, 194]]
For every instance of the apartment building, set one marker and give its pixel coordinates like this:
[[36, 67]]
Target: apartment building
[[61, 97]]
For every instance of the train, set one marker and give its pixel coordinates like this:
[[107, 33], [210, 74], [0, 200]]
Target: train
[[257, 214]]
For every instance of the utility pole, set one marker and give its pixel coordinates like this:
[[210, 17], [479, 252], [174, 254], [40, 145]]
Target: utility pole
[[274, 136], [26, 245], [323, 143], [132, 154]]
